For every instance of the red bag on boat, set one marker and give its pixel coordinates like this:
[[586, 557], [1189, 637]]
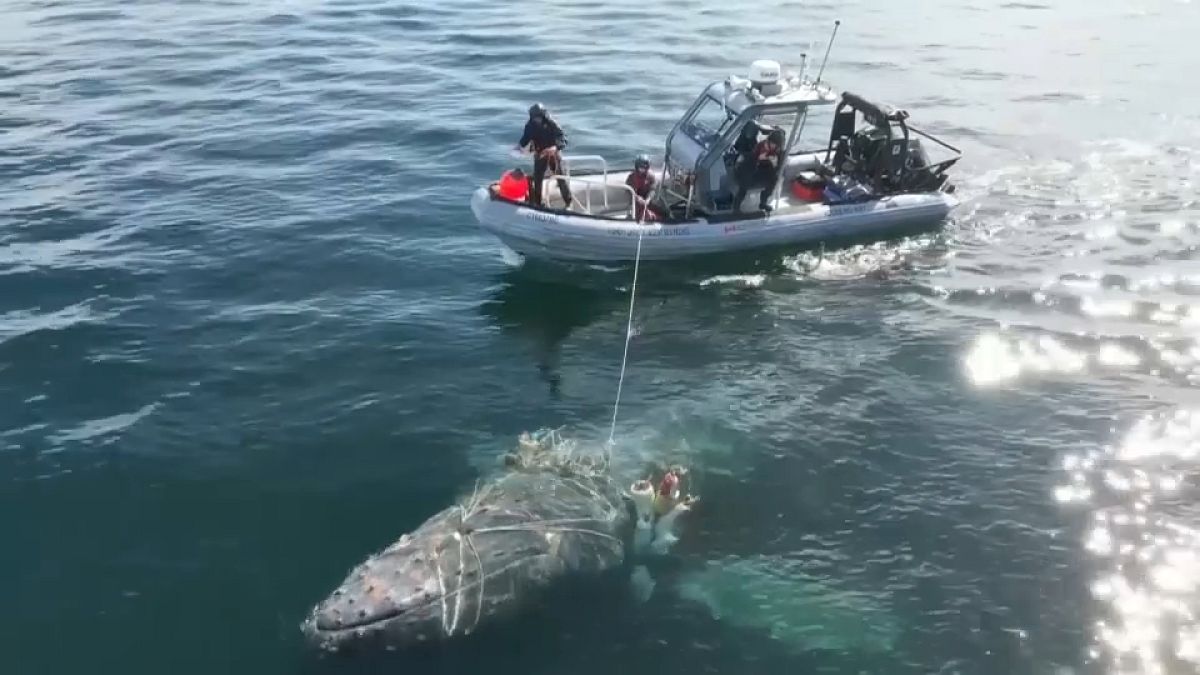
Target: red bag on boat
[[514, 185], [807, 193]]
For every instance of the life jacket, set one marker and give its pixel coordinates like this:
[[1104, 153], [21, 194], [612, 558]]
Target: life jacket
[[641, 183], [762, 152], [668, 486], [512, 187]]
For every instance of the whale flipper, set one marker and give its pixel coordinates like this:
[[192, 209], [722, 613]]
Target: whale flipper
[[641, 584]]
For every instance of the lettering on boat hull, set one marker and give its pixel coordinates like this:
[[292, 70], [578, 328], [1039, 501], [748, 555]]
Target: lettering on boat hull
[[681, 231]]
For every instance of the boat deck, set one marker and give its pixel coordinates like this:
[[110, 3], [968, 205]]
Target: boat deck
[[604, 194]]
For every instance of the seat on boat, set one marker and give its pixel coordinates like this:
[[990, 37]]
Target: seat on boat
[[593, 196]]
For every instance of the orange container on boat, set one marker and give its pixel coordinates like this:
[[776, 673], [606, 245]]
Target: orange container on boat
[[808, 193], [514, 187]]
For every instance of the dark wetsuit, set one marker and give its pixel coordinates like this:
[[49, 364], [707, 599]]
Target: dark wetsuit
[[757, 171], [746, 141], [544, 133]]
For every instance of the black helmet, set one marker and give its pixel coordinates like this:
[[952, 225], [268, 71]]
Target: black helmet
[[537, 109], [641, 161]]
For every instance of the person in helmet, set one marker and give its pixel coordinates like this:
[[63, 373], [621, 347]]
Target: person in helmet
[[545, 139], [760, 169], [642, 182]]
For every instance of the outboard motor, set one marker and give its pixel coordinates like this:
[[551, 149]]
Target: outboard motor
[[909, 167], [892, 165], [917, 157]]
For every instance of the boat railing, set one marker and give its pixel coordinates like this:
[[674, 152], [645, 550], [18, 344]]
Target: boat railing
[[931, 137], [569, 159], [603, 182]]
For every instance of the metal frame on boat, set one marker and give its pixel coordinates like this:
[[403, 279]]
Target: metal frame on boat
[[902, 166], [872, 179]]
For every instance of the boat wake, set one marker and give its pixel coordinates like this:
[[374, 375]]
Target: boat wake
[[881, 260]]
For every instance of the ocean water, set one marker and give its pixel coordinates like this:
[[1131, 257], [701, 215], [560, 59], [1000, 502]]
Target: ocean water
[[250, 333]]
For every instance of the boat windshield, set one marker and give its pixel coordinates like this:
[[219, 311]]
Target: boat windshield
[[707, 123]]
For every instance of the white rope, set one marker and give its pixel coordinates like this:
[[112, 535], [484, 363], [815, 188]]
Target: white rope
[[482, 583], [637, 259], [532, 527], [462, 568], [437, 567]]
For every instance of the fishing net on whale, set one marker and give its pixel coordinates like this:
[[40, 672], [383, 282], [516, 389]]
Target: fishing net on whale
[[548, 449], [590, 506], [552, 450]]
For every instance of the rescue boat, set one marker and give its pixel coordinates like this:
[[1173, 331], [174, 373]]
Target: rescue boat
[[873, 179]]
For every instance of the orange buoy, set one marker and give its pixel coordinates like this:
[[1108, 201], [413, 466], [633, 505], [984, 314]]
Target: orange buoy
[[514, 185]]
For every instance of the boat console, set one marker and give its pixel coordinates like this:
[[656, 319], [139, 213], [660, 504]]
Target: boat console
[[700, 146], [881, 158]]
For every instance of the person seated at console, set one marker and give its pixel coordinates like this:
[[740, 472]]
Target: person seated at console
[[746, 141], [759, 170]]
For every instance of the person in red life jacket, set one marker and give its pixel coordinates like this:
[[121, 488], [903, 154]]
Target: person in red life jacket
[[669, 487], [760, 169], [545, 139], [667, 494], [670, 494], [742, 149], [643, 183], [748, 139], [514, 185]]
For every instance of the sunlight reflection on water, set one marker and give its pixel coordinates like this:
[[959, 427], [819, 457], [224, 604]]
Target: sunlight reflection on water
[[1146, 546]]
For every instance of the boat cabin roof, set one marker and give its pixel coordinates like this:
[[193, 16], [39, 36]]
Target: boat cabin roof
[[723, 101], [790, 94]]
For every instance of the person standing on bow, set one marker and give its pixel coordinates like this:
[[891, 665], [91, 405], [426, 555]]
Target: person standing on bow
[[545, 139]]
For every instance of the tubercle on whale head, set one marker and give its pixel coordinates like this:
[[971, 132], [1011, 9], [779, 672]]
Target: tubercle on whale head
[[398, 596]]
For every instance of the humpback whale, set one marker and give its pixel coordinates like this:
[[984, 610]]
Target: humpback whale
[[548, 518]]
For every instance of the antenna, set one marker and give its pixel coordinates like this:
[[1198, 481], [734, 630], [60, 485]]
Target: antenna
[[827, 48], [803, 64]]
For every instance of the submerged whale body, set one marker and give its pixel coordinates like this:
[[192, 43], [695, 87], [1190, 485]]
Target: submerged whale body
[[482, 562]]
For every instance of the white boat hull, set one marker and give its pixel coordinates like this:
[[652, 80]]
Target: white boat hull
[[566, 236]]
